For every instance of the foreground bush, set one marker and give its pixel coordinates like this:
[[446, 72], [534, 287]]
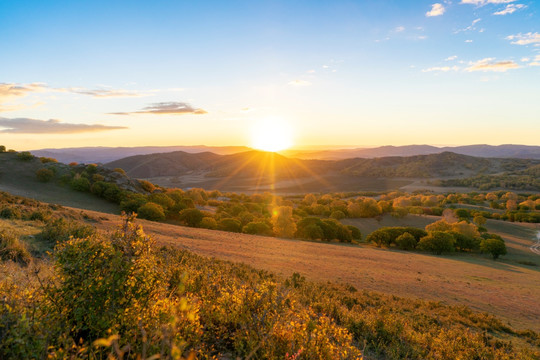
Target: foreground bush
[[12, 249]]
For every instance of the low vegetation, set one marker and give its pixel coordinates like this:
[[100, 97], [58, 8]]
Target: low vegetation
[[120, 296]]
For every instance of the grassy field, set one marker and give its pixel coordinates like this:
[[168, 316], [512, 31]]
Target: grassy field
[[504, 288]]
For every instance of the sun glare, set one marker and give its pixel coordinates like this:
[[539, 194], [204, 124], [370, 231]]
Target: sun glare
[[271, 134]]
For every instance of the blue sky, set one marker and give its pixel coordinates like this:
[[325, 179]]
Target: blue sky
[[364, 73]]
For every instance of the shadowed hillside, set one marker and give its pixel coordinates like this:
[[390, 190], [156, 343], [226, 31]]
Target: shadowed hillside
[[258, 164]]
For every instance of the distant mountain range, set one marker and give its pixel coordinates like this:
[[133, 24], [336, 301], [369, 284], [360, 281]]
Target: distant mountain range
[[108, 154], [488, 151], [270, 165]]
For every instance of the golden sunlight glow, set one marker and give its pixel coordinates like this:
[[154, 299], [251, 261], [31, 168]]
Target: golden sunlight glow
[[271, 134]]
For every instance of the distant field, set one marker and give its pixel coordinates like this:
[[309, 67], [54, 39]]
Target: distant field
[[505, 288]]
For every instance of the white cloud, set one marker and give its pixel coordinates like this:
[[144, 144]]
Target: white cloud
[[441, 69], [534, 63], [525, 59], [485, 2], [52, 126], [399, 29], [437, 9], [509, 9], [488, 64], [468, 41], [451, 58], [525, 39]]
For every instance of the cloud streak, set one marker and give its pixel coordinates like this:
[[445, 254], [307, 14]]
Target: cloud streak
[[166, 108], [104, 93], [488, 64], [485, 2], [52, 126], [437, 9], [509, 9], [525, 39]]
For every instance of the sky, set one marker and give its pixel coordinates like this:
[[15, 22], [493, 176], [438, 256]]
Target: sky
[[342, 73]]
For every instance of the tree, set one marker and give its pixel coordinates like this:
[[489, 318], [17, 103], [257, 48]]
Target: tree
[[440, 225], [437, 242], [495, 247], [479, 220], [208, 223], [230, 224], [191, 217], [2, 148], [282, 221], [151, 211], [406, 241], [257, 228]]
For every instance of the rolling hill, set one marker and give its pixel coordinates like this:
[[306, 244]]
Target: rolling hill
[[264, 165]]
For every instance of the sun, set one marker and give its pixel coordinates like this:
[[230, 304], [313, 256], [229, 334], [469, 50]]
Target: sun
[[271, 134]]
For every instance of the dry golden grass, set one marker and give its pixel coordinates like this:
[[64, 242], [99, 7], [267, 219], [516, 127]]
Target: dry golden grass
[[503, 288]]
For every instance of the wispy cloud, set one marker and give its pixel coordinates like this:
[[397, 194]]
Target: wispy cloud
[[485, 2], [509, 9], [441, 69], [437, 9], [525, 39], [52, 126], [399, 29], [451, 58], [166, 108], [299, 83], [104, 93], [488, 64], [470, 27], [11, 91]]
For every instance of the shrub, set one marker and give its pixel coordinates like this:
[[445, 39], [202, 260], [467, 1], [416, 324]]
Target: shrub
[[355, 232], [80, 183], [151, 211], [406, 241], [338, 215], [25, 156], [60, 230], [120, 171], [161, 199], [45, 160], [230, 224], [495, 247], [12, 249], [208, 223], [147, 185], [191, 217], [10, 212], [115, 286], [437, 242], [45, 175], [132, 203]]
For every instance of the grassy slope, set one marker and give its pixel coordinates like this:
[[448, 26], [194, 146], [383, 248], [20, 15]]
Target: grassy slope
[[18, 177], [505, 288]]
